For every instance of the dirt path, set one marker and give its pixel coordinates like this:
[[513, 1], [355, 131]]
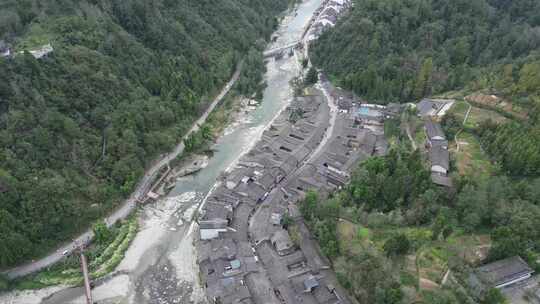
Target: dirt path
[[463, 124], [129, 205], [428, 284], [413, 142]]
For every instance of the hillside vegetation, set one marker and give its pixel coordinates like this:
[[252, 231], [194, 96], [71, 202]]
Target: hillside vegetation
[[124, 83], [391, 50], [397, 233]]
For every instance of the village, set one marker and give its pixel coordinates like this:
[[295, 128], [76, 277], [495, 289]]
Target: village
[[248, 254], [246, 251], [245, 254], [253, 244]]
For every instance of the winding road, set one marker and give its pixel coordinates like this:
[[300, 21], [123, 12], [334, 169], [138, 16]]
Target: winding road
[[129, 204]]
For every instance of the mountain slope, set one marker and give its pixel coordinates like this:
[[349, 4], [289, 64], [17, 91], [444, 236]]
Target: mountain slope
[[389, 50], [124, 82]]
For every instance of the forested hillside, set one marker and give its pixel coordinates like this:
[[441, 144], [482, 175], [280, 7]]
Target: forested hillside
[[123, 84], [390, 50]]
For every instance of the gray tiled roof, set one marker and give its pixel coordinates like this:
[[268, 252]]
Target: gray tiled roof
[[433, 129], [426, 107], [503, 271], [439, 156], [281, 240], [441, 180]]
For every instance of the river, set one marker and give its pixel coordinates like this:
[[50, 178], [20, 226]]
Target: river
[[160, 265]]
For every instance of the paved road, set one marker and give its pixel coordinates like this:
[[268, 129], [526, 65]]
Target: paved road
[[275, 269], [332, 104], [129, 205]]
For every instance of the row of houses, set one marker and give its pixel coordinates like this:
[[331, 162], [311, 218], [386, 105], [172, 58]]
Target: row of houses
[[439, 157], [509, 273], [246, 253], [298, 273], [436, 143], [229, 264], [327, 16]]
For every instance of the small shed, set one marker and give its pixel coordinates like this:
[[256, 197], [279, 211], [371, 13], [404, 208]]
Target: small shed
[[310, 283], [275, 219]]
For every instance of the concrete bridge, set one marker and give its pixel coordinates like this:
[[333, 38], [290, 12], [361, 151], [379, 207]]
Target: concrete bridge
[[276, 51]]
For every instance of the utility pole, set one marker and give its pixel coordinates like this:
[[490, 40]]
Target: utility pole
[[84, 267]]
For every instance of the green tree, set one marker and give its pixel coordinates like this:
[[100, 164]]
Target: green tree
[[380, 49], [305, 62], [309, 205], [494, 296], [423, 80], [397, 245], [312, 76], [4, 284], [389, 295], [325, 231], [102, 233], [287, 221], [529, 78]]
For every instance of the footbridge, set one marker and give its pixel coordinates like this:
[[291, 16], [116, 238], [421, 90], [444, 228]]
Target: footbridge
[[278, 50]]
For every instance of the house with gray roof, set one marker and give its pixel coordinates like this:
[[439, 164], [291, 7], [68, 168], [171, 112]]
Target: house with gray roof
[[310, 283], [433, 107], [433, 130], [438, 153], [276, 218], [427, 107], [500, 274], [440, 160], [229, 290], [441, 180], [504, 272], [218, 211], [282, 242]]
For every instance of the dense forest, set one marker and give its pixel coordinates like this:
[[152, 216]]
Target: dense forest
[[396, 51], [123, 84]]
